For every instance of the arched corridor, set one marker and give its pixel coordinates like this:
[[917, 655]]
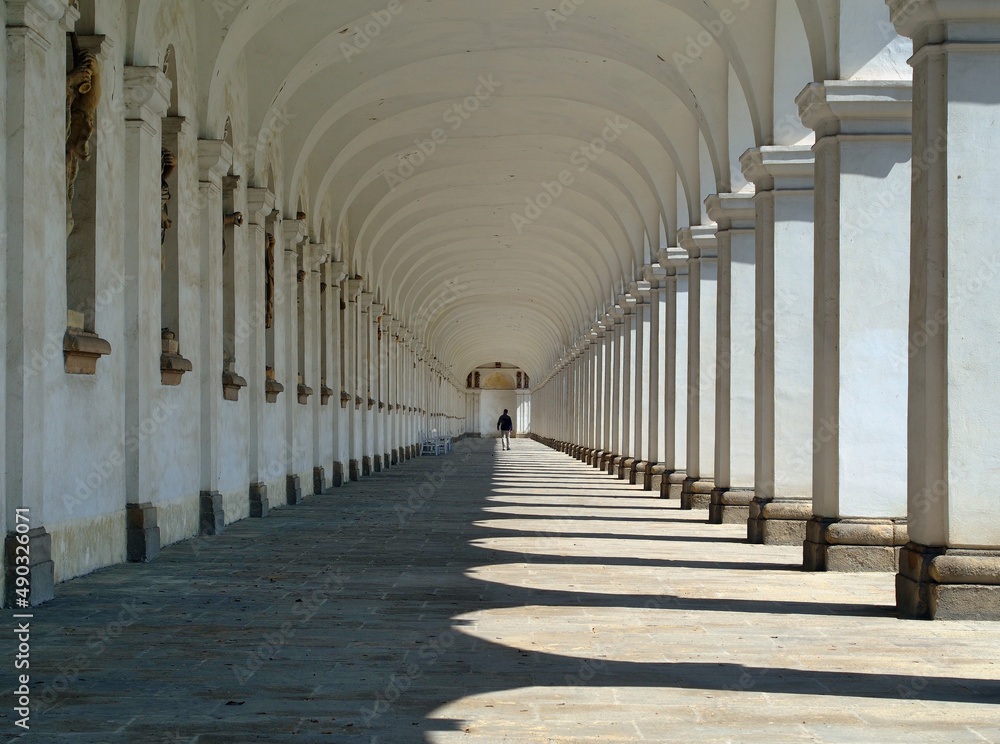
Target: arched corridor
[[727, 267], [492, 596]]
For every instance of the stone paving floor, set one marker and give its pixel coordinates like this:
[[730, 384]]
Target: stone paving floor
[[490, 597]]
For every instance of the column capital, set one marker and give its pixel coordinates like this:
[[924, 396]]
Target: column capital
[[365, 300], [294, 232], [627, 303], [882, 107], [215, 158], [934, 21], [352, 290], [640, 290], [179, 125], [336, 273], [732, 211], [377, 310], [313, 255], [653, 274], [260, 205], [700, 242], [146, 92], [779, 168], [36, 14]]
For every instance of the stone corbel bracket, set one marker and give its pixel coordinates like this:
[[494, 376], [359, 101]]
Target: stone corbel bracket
[[232, 383], [82, 349]]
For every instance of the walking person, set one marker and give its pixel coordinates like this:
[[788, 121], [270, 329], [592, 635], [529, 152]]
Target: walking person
[[505, 426]]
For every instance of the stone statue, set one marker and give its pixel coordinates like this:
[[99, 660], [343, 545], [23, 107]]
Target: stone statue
[[168, 164], [230, 220], [83, 93], [269, 285]]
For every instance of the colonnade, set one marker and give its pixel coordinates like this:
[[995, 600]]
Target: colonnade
[[815, 362]]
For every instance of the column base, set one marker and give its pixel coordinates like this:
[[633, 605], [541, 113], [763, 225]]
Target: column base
[[142, 538], [377, 464], [779, 521], [395, 457], [607, 462], [319, 481], [638, 475], [354, 471], [293, 490], [656, 475], [696, 493], [337, 481], [672, 485], [948, 583], [730, 506], [598, 458], [366, 465], [212, 517], [386, 461], [41, 569], [615, 466], [624, 471], [259, 506], [853, 545]]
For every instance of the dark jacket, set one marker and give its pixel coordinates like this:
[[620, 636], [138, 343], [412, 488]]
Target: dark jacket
[[504, 423]]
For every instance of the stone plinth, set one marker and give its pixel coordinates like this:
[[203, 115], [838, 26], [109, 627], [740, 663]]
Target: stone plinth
[[293, 490], [778, 521], [143, 536], [948, 583], [853, 545], [41, 569], [730, 506], [696, 493], [259, 506], [212, 517]]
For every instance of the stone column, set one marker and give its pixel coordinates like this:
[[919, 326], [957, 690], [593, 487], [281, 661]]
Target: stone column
[[336, 274], [215, 158], [701, 246], [377, 408], [627, 406], [313, 256], [260, 207], [734, 393], [635, 471], [146, 95], [353, 293], [365, 381], [863, 151], [951, 566], [293, 233], [783, 377], [675, 353], [616, 335], [653, 474]]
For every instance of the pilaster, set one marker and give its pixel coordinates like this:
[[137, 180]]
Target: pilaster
[[863, 152], [735, 216], [783, 374], [951, 566], [702, 248]]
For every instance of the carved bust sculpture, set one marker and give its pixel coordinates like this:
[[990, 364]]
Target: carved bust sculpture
[[168, 164], [83, 93], [230, 220]]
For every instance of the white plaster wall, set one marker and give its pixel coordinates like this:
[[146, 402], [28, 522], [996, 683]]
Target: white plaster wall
[[84, 445], [492, 403]]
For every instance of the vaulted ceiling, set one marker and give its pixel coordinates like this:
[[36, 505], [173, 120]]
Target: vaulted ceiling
[[427, 140]]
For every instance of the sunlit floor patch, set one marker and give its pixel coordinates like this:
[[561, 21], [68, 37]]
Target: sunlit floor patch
[[593, 711]]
